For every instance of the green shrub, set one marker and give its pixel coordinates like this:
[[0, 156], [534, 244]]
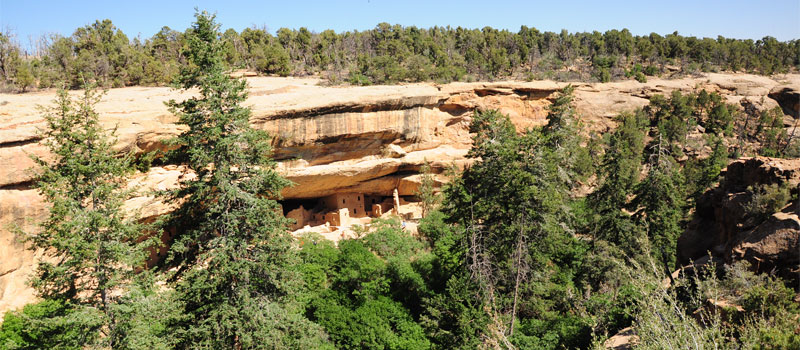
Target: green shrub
[[604, 75], [49, 324], [767, 199], [356, 78], [378, 323]]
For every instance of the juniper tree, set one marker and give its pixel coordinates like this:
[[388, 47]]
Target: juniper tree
[[237, 279], [92, 246]]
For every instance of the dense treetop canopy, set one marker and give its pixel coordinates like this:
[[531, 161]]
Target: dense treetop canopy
[[390, 54]]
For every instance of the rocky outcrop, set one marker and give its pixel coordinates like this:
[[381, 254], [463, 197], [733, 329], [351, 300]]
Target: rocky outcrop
[[328, 140], [788, 97], [625, 339], [724, 227]]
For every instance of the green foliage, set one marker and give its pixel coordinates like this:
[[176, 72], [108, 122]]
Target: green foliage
[[370, 288], [388, 240], [701, 174], [771, 133], [357, 78], [720, 119], [50, 324], [603, 65], [93, 247], [767, 199], [238, 283], [664, 322], [513, 217], [84, 186], [660, 199], [446, 245], [603, 75], [378, 323], [419, 68], [766, 316], [384, 70], [651, 71], [426, 191], [604, 61], [587, 158], [275, 60], [146, 316], [619, 172], [24, 77], [639, 73], [704, 310], [455, 318], [9, 55], [393, 53]]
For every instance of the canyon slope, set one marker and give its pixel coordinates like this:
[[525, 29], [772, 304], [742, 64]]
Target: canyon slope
[[328, 140]]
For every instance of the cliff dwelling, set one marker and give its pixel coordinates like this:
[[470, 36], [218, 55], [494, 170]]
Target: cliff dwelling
[[339, 210]]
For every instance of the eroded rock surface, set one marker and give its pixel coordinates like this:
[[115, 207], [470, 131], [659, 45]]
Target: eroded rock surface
[[788, 97], [724, 227], [328, 140]]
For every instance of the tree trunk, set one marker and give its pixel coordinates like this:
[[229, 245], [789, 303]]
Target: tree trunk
[[517, 281]]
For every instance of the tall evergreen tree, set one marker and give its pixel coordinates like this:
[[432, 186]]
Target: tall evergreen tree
[[620, 173], [238, 281], [660, 198], [700, 174], [93, 247], [512, 205], [561, 128]]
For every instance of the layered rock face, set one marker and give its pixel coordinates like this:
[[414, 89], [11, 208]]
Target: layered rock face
[[368, 140], [724, 227]]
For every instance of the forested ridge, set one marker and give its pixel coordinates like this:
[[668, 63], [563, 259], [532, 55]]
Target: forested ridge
[[388, 54], [507, 256]]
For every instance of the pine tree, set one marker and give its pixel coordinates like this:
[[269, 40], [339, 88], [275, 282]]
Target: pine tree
[[513, 208], [660, 198], [563, 140], [620, 174], [703, 173], [561, 128], [237, 282], [93, 248]]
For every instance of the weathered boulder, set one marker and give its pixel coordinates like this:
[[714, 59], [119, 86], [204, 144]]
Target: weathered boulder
[[625, 339], [723, 226], [772, 245]]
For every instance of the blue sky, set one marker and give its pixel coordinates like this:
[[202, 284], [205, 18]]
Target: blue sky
[[732, 18]]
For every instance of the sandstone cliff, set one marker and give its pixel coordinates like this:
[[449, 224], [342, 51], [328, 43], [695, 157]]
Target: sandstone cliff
[[329, 140]]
